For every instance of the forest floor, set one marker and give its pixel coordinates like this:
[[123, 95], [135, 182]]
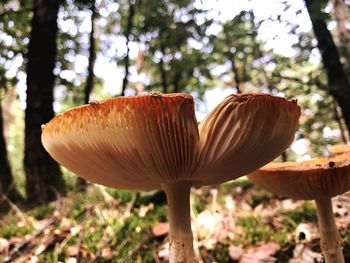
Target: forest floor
[[233, 222]]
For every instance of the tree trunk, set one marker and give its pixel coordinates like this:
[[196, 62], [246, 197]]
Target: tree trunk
[[7, 113], [176, 81], [162, 71], [132, 5], [235, 73], [284, 156], [81, 182], [43, 176], [338, 119], [344, 34], [7, 183], [92, 57], [338, 82]]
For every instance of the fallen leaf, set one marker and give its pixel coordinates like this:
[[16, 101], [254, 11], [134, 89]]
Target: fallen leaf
[[261, 253], [235, 252], [160, 229], [34, 259], [302, 253], [163, 251], [288, 204], [16, 240], [144, 209], [73, 251], [76, 229], [4, 246], [106, 253], [71, 260]]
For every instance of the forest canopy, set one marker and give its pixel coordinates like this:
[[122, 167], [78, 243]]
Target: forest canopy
[[57, 54], [101, 49]]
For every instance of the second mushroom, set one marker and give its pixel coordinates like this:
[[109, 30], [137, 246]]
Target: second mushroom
[[153, 142], [318, 179]]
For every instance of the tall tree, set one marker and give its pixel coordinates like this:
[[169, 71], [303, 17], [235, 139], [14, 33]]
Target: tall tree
[[14, 28], [90, 80], [338, 82], [92, 57], [127, 34], [341, 18], [81, 183], [7, 183], [238, 44], [43, 176], [169, 31]]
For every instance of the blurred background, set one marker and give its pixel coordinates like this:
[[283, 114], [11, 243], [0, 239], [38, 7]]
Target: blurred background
[[58, 54]]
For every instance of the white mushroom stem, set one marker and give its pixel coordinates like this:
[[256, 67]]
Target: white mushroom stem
[[180, 232], [331, 243]]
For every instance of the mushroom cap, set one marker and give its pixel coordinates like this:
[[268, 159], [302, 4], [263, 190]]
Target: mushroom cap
[[126, 142], [340, 148], [244, 132], [144, 141], [315, 179]]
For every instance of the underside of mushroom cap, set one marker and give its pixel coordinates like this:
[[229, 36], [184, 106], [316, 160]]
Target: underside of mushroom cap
[[315, 179], [144, 141], [127, 142], [243, 133]]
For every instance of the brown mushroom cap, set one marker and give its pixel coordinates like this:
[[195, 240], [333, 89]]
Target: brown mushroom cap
[[144, 141], [243, 133], [315, 179], [127, 142], [338, 149]]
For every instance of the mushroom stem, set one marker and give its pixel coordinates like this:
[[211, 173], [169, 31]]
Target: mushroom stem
[[180, 232], [331, 243]]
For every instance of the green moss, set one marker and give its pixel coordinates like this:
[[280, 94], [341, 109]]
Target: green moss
[[305, 213], [281, 236], [286, 252], [42, 211], [260, 196], [11, 227], [220, 254], [346, 242], [124, 195], [93, 236], [229, 188], [82, 200], [198, 206], [244, 183], [256, 229]]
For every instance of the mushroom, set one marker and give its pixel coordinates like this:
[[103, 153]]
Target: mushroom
[[339, 149], [153, 142], [318, 179]]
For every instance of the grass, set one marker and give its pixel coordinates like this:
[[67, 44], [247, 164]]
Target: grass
[[305, 213], [120, 222], [11, 227], [256, 230]]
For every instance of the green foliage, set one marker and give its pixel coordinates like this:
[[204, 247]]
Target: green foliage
[[179, 55], [93, 222], [256, 230], [346, 242], [166, 30], [220, 254], [238, 44], [42, 212], [260, 197], [305, 213], [123, 195], [11, 227], [15, 145]]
